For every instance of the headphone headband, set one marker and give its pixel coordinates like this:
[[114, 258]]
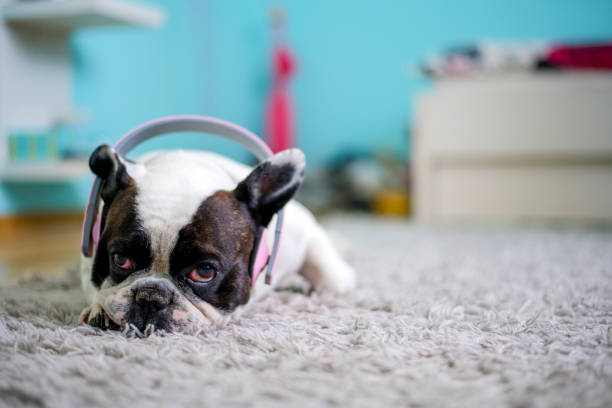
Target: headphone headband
[[173, 124]]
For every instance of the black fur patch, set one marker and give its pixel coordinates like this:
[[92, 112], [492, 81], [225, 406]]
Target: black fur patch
[[121, 232], [221, 233]]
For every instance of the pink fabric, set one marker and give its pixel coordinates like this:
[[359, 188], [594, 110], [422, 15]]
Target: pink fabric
[[85, 234], [95, 230], [262, 257]]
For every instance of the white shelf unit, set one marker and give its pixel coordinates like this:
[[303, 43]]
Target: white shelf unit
[[51, 172], [69, 15], [36, 71]]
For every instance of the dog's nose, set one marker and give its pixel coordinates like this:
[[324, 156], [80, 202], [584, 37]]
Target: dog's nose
[[151, 301], [156, 298]]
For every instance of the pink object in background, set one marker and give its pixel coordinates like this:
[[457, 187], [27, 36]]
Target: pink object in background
[[279, 112], [586, 56]]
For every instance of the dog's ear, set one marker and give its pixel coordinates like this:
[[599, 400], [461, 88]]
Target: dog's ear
[[272, 184], [107, 165]]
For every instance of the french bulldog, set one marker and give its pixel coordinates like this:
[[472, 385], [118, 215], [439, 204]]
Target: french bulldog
[[178, 229]]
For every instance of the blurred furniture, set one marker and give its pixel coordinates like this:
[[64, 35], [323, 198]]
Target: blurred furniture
[[523, 146], [38, 244], [36, 73]]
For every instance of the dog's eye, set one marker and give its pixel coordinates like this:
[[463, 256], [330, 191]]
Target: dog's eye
[[203, 273], [122, 262]]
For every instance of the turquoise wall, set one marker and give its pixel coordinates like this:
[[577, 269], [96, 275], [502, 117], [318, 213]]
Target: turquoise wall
[[353, 88]]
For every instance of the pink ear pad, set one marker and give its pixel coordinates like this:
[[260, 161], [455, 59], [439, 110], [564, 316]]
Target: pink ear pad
[[95, 231], [262, 257]]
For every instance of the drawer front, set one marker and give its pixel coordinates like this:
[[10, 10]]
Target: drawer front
[[511, 193], [539, 115]]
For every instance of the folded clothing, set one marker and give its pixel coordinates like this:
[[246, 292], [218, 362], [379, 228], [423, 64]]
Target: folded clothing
[[486, 58], [581, 56]]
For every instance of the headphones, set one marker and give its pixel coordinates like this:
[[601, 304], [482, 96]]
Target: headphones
[[261, 254]]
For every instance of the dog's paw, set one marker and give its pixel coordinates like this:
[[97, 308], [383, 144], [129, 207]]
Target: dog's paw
[[96, 316]]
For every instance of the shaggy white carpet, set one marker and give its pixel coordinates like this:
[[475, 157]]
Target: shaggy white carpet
[[444, 316]]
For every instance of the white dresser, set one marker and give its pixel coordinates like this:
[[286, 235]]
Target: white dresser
[[524, 146]]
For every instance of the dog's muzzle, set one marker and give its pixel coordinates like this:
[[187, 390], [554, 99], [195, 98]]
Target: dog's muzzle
[[149, 304]]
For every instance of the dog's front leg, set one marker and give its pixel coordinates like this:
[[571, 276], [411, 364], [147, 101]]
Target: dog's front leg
[[323, 265]]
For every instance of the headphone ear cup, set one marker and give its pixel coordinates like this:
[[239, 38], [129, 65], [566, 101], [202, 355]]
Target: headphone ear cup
[[260, 255], [95, 230]]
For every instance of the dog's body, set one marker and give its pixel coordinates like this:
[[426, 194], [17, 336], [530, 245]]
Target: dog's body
[[177, 235]]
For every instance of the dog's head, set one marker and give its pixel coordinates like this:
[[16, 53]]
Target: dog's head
[[177, 235]]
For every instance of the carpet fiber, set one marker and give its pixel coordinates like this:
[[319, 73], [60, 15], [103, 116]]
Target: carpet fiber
[[443, 316]]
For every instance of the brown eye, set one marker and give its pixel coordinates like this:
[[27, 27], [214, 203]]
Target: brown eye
[[202, 274], [122, 262]]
